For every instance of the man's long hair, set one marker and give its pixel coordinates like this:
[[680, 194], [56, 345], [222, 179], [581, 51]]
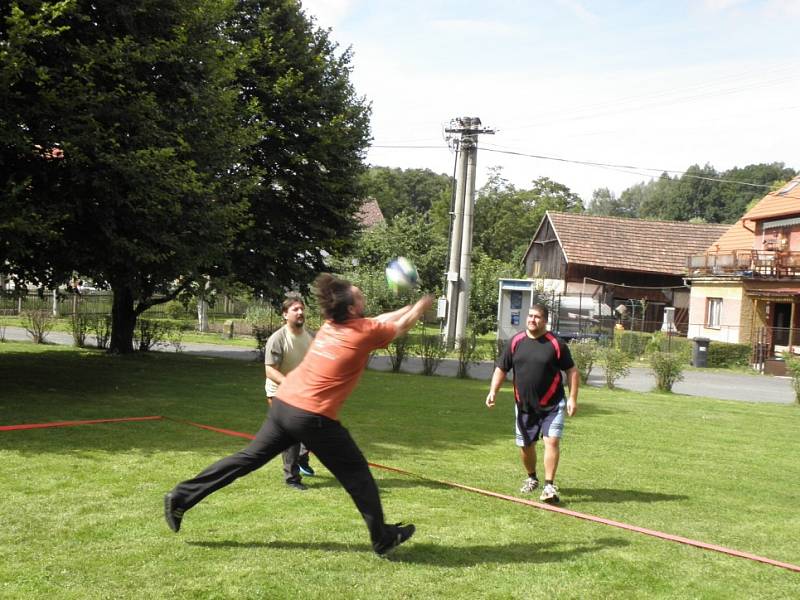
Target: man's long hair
[[334, 297]]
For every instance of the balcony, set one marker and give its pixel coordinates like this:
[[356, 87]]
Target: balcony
[[746, 263]]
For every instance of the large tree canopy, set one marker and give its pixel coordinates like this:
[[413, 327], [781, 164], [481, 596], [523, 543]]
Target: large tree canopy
[[146, 144], [506, 217], [702, 193], [406, 190]]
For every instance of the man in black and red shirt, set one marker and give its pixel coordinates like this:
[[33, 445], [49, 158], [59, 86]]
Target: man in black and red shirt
[[538, 358]]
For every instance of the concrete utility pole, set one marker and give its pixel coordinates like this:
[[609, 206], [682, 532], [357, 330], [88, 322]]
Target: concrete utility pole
[[458, 270]]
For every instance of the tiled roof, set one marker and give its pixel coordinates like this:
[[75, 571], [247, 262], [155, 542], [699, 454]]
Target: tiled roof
[[780, 203], [369, 214], [631, 244], [739, 236]]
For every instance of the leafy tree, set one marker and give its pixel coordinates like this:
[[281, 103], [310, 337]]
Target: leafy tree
[[506, 218], [705, 195], [407, 236], [656, 198], [605, 204], [484, 274], [399, 190], [309, 157], [125, 130], [551, 195], [631, 199], [148, 144], [736, 198]]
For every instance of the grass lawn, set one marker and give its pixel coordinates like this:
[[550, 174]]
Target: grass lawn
[[82, 506]]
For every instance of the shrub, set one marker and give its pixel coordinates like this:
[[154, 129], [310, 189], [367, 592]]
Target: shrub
[[616, 364], [397, 351], [260, 315], [261, 334], [432, 350], [668, 369], [467, 350], [150, 332], [79, 324], [38, 323], [793, 368], [724, 355], [175, 336], [632, 343], [584, 354], [176, 310], [101, 326]]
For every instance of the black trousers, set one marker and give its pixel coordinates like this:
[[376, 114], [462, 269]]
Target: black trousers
[[291, 462], [285, 426], [291, 458]]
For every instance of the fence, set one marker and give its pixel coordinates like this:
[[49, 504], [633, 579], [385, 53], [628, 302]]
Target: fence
[[100, 302]]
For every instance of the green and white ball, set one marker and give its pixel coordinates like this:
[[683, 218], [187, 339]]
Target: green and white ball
[[401, 274]]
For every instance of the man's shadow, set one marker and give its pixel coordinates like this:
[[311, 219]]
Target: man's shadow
[[578, 495], [385, 484], [442, 555]]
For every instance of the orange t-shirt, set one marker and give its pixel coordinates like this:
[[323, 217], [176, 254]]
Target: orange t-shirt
[[333, 365]]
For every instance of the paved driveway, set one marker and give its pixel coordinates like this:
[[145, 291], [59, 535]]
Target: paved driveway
[[697, 382], [712, 384]]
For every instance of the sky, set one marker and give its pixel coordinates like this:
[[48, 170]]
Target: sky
[[644, 86]]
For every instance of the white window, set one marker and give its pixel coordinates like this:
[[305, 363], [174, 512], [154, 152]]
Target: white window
[[713, 310]]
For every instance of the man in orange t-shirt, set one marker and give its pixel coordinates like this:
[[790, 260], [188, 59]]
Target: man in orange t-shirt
[[306, 408]]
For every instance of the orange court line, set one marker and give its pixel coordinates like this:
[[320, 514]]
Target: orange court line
[[72, 423]]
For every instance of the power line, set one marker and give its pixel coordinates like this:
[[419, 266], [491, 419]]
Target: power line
[[630, 169], [614, 166]]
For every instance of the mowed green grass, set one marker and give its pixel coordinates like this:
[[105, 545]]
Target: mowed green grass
[[82, 506]]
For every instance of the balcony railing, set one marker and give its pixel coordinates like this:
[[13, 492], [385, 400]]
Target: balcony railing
[[746, 263]]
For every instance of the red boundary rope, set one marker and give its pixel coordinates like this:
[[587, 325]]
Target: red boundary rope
[[539, 505], [71, 423]]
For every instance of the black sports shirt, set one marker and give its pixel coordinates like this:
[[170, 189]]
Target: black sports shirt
[[537, 365]]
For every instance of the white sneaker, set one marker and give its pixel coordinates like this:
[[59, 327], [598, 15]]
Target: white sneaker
[[530, 484], [550, 494]]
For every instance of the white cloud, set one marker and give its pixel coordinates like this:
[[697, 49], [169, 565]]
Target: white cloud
[[476, 26], [328, 13], [783, 8], [580, 11], [770, 8], [721, 5]]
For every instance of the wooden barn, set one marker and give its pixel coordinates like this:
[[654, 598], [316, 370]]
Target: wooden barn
[[620, 262]]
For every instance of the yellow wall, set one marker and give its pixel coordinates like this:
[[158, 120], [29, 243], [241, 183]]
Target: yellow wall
[[733, 327]]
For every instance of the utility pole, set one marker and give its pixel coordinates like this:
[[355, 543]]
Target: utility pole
[[460, 252]]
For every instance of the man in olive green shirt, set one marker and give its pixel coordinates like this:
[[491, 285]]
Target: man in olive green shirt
[[285, 350]]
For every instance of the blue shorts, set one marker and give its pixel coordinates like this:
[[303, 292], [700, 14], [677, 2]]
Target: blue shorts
[[530, 427]]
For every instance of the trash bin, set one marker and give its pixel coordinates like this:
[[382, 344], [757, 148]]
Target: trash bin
[[700, 352]]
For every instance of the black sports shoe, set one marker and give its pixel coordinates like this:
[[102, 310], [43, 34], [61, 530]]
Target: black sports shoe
[[400, 533], [172, 512], [301, 487], [304, 467]]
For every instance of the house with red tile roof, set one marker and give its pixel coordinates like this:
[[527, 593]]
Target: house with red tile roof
[[369, 214], [628, 262], [746, 284]]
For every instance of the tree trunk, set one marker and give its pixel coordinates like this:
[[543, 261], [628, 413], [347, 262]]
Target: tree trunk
[[202, 315], [123, 321]]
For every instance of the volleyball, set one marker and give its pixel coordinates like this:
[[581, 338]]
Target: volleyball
[[401, 274]]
